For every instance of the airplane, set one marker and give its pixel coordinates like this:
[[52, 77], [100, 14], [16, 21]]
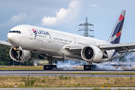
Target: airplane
[[59, 45]]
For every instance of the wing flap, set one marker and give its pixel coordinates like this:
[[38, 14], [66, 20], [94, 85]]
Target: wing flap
[[118, 47]]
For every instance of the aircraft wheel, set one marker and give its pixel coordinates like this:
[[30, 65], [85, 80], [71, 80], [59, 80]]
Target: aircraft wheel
[[49, 67], [54, 66], [89, 67]]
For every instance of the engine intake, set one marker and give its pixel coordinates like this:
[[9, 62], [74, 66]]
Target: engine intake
[[19, 55], [91, 53]]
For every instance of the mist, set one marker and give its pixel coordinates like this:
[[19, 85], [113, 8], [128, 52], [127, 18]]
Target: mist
[[127, 62]]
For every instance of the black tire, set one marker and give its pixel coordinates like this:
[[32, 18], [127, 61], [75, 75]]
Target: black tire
[[87, 67], [49, 67], [54, 66]]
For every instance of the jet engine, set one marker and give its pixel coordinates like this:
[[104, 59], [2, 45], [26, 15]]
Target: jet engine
[[19, 55], [91, 54]]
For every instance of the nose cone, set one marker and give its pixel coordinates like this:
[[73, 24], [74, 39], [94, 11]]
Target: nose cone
[[13, 39], [10, 38]]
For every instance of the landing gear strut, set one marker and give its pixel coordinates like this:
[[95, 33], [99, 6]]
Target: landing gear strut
[[50, 66], [89, 66]]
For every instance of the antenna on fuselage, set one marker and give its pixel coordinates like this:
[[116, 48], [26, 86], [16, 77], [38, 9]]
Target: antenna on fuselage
[[86, 29]]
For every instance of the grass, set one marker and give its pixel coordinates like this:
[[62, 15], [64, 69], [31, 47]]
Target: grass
[[21, 67], [66, 81]]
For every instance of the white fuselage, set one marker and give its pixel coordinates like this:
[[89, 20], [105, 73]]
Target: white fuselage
[[52, 42]]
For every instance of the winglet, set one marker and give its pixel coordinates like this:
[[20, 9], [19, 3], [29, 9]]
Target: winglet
[[116, 34]]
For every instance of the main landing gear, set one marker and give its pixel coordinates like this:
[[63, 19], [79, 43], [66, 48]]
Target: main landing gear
[[50, 66], [89, 66]]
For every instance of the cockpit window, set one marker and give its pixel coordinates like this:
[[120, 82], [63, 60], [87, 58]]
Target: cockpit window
[[15, 32]]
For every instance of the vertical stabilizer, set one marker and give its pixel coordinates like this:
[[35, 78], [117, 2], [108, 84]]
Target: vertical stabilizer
[[116, 34]]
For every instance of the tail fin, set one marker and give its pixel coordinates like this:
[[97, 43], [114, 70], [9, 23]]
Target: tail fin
[[116, 34]]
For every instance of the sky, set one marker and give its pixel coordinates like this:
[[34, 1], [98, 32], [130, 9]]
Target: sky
[[66, 15]]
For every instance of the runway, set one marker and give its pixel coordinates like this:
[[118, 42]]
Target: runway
[[53, 73], [68, 88]]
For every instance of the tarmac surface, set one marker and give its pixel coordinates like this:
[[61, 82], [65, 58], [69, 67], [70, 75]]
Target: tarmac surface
[[53, 73]]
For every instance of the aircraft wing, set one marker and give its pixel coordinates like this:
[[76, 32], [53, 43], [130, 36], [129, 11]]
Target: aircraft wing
[[74, 49], [124, 47], [5, 43]]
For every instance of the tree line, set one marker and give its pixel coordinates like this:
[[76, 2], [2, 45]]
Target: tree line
[[6, 60]]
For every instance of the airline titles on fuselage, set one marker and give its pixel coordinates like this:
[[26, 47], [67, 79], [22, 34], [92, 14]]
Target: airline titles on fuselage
[[40, 32], [43, 32]]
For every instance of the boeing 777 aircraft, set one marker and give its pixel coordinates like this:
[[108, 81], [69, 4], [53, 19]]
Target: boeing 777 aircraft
[[53, 44]]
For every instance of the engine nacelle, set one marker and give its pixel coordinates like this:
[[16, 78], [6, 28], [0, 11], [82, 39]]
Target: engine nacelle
[[19, 55], [91, 54]]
